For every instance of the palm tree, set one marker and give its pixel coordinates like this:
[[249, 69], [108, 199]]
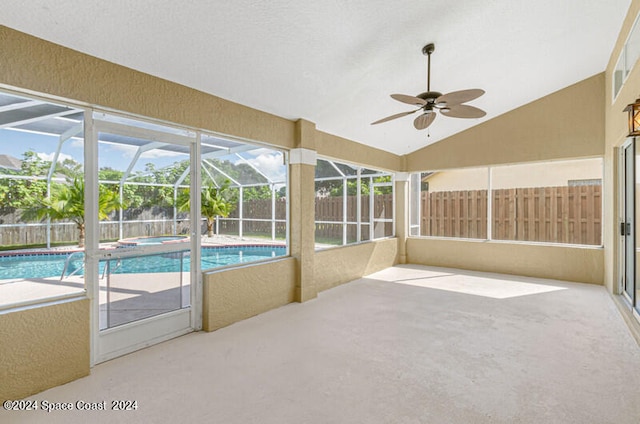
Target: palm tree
[[67, 204], [214, 202]]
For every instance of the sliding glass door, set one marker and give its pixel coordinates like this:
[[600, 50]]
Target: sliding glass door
[[627, 225]]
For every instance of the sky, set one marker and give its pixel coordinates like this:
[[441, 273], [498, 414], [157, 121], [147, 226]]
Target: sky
[[118, 156]]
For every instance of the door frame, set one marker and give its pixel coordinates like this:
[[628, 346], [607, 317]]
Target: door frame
[[117, 341], [626, 228]]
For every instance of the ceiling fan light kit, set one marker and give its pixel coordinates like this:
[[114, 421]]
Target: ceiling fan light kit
[[450, 104]]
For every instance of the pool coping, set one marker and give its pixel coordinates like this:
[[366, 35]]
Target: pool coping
[[19, 253]]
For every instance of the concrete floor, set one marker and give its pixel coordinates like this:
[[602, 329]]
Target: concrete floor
[[409, 344]]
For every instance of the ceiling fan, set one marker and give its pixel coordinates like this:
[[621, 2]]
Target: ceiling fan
[[450, 104]]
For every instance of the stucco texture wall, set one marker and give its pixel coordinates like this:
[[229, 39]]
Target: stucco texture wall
[[339, 265], [563, 125], [339, 148], [583, 265], [43, 347], [231, 295]]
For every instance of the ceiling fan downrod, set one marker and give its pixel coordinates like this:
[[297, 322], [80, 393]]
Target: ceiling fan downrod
[[427, 50]]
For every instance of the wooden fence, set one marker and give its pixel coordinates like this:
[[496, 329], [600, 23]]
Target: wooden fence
[[331, 209], [543, 214], [256, 221], [155, 221], [256, 209]]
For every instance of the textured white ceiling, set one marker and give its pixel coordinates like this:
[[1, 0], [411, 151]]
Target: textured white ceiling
[[335, 62]]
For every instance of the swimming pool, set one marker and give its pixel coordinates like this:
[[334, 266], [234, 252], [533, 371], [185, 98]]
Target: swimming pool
[[17, 266], [145, 241]]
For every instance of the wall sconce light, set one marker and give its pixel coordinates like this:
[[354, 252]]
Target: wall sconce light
[[634, 117]]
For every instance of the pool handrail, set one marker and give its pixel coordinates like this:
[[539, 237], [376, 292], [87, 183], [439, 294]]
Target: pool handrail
[[66, 265], [108, 269]]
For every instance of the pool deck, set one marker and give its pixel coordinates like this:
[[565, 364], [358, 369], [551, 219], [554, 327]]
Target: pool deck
[[132, 297], [223, 240], [17, 292], [129, 297]]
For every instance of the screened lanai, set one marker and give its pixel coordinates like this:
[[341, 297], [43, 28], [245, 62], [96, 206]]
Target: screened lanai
[[129, 213], [150, 161], [143, 173]]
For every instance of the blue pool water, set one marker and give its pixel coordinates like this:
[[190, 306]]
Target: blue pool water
[[137, 241], [52, 264]]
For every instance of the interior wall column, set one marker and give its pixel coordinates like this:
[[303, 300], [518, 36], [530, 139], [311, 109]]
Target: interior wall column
[[401, 191], [302, 167]]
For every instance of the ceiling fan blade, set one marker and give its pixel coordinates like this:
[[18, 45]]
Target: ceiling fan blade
[[458, 97], [409, 99], [424, 120], [397, 115], [463, 111]]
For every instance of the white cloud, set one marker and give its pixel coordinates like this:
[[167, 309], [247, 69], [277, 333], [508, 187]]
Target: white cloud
[[270, 164], [77, 143], [126, 150], [49, 156], [163, 154], [129, 151], [259, 151]]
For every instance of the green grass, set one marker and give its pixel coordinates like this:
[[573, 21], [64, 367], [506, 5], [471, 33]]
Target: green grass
[[255, 235], [329, 240], [44, 245], [36, 245]]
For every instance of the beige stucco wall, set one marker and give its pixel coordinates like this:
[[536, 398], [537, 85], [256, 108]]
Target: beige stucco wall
[[339, 148], [584, 265], [231, 295], [615, 135], [459, 179], [43, 347], [563, 125], [339, 265]]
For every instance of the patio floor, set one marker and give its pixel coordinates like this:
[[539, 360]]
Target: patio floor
[[409, 344]]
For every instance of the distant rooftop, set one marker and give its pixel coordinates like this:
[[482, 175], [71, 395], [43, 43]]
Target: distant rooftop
[[10, 162]]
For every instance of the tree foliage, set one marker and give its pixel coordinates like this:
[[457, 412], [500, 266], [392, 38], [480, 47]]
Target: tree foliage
[[17, 194], [214, 202], [336, 187], [66, 203]]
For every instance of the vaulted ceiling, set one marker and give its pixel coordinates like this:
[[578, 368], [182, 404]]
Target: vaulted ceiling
[[336, 62]]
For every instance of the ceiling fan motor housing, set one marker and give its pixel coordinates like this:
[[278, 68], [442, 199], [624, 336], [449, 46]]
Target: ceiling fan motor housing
[[429, 96]]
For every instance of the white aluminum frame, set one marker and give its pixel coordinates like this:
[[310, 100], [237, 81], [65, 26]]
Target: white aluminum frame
[[92, 224], [489, 236], [116, 341], [358, 177]]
